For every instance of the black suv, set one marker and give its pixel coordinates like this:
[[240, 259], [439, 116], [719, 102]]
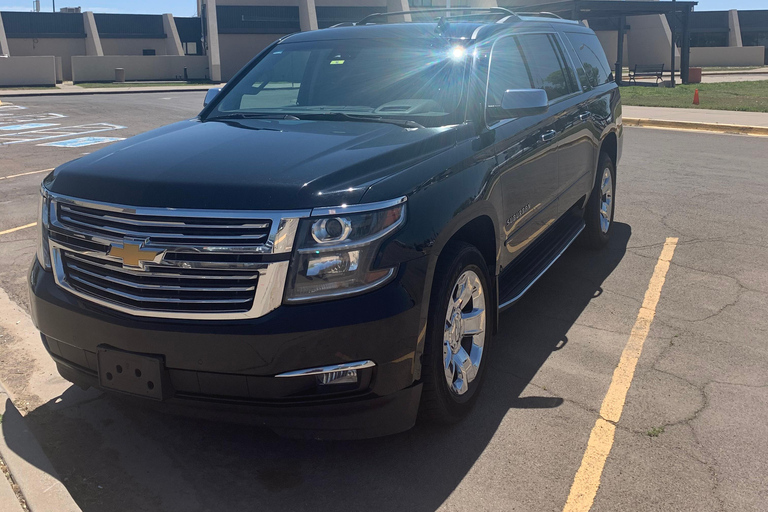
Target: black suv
[[326, 248]]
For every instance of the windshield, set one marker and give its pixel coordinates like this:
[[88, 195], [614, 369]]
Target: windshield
[[420, 79]]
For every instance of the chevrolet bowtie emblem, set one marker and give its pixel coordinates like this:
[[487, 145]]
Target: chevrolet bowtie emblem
[[133, 254]]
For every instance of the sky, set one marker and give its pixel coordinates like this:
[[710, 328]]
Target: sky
[[189, 7]]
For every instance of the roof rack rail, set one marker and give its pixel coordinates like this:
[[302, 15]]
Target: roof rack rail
[[489, 10], [540, 14]]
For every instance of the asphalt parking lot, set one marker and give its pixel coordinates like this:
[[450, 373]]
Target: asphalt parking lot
[[694, 423]]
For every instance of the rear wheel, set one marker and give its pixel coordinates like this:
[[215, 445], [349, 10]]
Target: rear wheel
[[598, 215], [457, 343]]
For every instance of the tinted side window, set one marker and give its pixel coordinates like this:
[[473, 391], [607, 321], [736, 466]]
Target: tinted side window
[[592, 57], [508, 71], [545, 64]]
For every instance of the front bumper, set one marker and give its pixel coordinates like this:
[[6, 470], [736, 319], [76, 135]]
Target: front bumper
[[229, 367]]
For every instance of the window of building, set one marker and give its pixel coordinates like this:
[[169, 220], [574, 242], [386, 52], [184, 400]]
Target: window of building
[[709, 39], [148, 51]]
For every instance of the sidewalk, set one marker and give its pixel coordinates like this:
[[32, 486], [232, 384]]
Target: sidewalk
[[28, 466], [696, 115]]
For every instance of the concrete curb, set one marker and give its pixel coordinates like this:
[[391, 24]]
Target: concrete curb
[[691, 125], [31, 469], [107, 90]]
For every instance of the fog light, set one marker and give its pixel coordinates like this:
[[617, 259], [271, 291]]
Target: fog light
[[340, 377]]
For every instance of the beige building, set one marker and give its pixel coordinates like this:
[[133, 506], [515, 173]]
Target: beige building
[[226, 34]]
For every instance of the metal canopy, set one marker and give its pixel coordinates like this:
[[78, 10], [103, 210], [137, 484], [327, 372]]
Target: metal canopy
[[619, 10]]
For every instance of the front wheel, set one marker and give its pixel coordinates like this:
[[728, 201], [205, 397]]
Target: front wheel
[[458, 337], [598, 215]]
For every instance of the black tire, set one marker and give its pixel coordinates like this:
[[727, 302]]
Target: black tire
[[595, 236], [438, 402]]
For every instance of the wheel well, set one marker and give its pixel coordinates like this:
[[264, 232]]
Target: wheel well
[[610, 146], [480, 233]]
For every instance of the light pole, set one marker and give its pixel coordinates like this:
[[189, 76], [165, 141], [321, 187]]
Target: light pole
[[54, 5]]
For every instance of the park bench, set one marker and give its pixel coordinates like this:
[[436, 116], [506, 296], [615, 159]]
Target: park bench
[[654, 70]]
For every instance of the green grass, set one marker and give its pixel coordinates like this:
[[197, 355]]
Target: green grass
[[730, 68], [101, 85], [742, 96], [655, 432]]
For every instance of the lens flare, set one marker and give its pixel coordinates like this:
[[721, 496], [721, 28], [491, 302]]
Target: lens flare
[[458, 52]]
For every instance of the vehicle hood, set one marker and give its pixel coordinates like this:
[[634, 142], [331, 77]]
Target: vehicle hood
[[248, 164]]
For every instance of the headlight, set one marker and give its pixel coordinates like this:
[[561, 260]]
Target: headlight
[[43, 217], [335, 252]]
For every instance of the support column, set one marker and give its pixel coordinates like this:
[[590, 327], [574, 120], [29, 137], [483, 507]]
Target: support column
[[685, 50], [211, 26], [672, 44], [620, 50], [92, 39], [483, 3], [734, 28], [397, 6], [4, 49], [307, 15], [172, 40]]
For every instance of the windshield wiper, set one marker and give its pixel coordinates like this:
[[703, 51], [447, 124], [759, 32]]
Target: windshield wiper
[[341, 116], [254, 115]]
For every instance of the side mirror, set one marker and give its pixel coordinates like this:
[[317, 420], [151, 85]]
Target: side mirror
[[210, 95], [524, 102]]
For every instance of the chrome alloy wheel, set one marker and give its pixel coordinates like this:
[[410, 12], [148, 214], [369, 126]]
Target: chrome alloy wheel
[[464, 332], [606, 200]]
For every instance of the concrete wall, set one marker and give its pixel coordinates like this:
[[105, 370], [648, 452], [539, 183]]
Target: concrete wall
[[102, 69], [65, 48], [133, 46], [727, 56], [649, 41], [237, 49], [27, 71]]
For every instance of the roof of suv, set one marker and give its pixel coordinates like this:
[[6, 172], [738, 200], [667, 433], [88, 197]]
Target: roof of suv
[[458, 29]]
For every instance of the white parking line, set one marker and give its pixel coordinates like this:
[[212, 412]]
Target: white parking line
[[28, 118], [55, 133], [28, 126]]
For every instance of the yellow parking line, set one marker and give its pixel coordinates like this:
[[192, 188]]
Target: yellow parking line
[[24, 174], [587, 479], [18, 228]]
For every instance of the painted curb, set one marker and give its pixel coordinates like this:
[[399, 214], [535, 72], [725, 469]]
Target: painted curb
[[31, 469], [106, 90], [691, 125]]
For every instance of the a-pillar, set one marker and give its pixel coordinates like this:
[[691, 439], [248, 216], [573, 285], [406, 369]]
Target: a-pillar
[[4, 50], [92, 39], [307, 15], [211, 39], [734, 28], [398, 6], [172, 40]]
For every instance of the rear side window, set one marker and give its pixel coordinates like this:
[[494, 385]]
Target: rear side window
[[546, 65], [592, 57], [508, 71]]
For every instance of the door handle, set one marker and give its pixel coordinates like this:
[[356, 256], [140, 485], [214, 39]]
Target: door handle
[[548, 135], [584, 116]]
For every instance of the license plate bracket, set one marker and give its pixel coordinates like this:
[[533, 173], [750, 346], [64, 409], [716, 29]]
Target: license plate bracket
[[135, 374]]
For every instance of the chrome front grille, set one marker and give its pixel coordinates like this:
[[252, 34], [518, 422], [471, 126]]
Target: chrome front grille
[[202, 264], [161, 290], [234, 231]]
